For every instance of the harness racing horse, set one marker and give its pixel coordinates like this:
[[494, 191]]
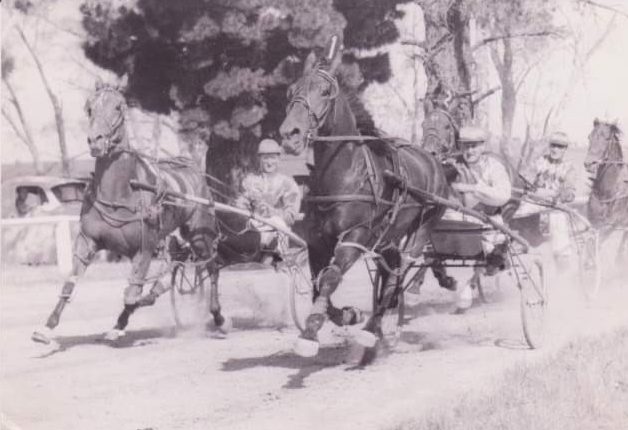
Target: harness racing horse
[[351, 209], [607, 207], [117, 217]]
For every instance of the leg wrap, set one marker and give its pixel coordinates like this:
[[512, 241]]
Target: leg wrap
[[132, 294], [68, 288], [329, 275], [158, 288]]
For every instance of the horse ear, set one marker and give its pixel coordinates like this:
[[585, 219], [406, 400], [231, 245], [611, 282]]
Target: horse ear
[[335, 62], [309, 63], [596, 122]]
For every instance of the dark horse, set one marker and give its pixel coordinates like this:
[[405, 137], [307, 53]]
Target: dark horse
[[607, 208], [117, 217], [352, 208]]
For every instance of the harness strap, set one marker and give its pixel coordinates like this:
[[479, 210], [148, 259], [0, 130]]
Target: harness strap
[[371, 253]]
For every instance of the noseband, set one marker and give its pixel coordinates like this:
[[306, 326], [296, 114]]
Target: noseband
[[316, 121]]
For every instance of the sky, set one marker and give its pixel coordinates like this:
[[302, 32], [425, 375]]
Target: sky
[[601, 92]]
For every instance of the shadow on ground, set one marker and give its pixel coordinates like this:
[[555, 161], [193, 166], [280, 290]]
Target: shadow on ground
[[132, 339], [327, 357]]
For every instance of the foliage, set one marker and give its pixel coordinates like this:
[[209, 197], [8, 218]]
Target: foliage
[[225, 65], [232, 59]]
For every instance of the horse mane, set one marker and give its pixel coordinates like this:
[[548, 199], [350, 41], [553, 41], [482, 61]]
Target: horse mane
[[363, 118]]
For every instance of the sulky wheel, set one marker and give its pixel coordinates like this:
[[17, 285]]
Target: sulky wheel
[[301, 290], [187, 295], [534, 299], [589, 273]]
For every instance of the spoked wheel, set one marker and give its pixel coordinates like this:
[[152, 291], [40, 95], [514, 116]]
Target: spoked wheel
[[187, 295], [589, 273], [301, 290], [534, 299]]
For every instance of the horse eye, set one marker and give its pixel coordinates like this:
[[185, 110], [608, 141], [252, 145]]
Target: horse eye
[[326, 92]]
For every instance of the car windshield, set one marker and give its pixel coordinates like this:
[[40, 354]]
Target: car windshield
[[72, 192]]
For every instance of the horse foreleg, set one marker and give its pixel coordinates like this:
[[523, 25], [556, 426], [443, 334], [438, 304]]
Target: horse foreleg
[[84, 251], [388, 298], [328, 280], [223, 324], [132, 293]]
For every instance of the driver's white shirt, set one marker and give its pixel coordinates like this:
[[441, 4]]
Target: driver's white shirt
[[493, 185], [278, 191]]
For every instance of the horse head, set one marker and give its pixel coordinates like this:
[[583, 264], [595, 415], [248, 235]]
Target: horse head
[[603, 141], [439, 133], [105, 109], [310, 100]]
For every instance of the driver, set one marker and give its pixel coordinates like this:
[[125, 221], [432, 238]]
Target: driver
[[554, 180], [270, 194], [483, 184]]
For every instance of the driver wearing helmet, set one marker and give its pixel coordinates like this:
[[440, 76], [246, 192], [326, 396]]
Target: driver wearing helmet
[[270, 194], [554, 179], [483, 184]]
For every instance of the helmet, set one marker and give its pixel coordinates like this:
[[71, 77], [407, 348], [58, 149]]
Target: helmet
[[559, 138], [471, 135], [268, 146]]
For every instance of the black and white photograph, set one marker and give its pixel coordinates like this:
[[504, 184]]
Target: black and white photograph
[[314, 214]]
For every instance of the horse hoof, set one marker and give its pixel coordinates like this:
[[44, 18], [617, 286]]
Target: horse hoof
[[40, 337], [366, 338], [306, 347], [114, 334]]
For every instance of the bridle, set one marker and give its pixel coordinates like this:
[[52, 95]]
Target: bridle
[[115, 125], [606, 161], [315, 120], [432, 133]]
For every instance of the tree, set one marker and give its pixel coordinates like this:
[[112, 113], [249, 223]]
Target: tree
[[225, 65], [232, 60], [33, 9], [22, 129], [515, 30]]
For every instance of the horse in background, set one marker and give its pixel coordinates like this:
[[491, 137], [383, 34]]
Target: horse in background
[[351, 209], [607, 206], [131, 222]]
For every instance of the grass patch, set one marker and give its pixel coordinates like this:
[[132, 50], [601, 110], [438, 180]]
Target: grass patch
[[583, 386]]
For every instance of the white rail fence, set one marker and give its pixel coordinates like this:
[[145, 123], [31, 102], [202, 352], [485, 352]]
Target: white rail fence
[[62, 233]]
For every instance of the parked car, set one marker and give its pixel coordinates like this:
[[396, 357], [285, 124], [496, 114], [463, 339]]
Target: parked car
[[42, 195]]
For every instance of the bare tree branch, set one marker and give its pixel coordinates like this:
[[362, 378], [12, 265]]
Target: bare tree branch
[[27, 135], [605, 6], [491, 39], [577, 72], [486, 94], [14, 126], [601, 39], [55, 105]]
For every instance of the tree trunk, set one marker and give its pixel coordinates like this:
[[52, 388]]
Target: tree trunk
[[27, 135], [56, 106], [504, 65], [448, 60]]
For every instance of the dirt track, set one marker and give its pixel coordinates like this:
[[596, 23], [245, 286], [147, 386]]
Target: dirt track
[[155, 378]]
